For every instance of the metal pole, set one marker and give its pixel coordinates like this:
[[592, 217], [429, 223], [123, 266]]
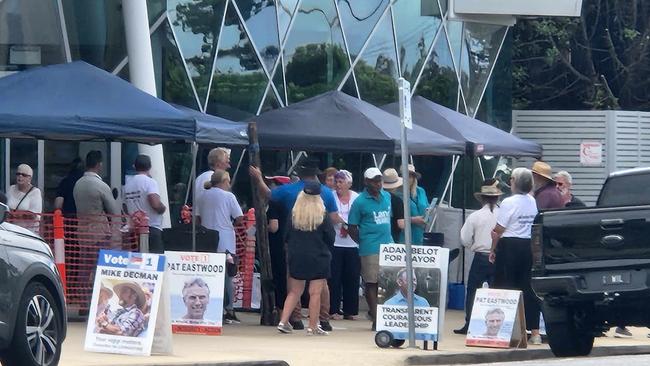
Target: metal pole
[[141, 74], [195, 150], [405, 96]]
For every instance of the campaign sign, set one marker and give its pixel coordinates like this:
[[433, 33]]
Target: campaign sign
[[497, 319], [196, 285], [125, 301], [430, 284]]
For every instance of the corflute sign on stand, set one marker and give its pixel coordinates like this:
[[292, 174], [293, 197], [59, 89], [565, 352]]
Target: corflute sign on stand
[[125, 301], [430, 284], [196, 283], [497, 320]]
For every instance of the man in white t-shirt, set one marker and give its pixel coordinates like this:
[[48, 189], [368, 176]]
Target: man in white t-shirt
[[218, 158], [141, 193]]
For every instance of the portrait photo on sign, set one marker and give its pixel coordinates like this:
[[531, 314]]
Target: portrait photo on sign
[[393, 286], [494, 323], [195, 300], [122, 308]]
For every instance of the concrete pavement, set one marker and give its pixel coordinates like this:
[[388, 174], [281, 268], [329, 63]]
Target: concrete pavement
[[351, 342]]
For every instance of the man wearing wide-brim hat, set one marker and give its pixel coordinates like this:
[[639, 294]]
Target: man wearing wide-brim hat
[[476, 236], [546, 193], [129, 319]]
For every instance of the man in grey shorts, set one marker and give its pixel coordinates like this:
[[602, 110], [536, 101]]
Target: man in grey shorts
[[369, 225]]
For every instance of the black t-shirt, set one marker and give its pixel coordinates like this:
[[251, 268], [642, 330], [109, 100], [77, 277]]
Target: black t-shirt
[[397, 208], [276, 212], [65, 189]]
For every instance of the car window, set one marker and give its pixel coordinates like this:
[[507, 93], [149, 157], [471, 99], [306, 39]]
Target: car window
[[626, 190]]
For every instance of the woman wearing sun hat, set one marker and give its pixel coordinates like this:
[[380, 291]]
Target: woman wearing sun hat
[[476, 235], [418, 204]]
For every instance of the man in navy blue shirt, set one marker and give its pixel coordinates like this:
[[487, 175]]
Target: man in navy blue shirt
[[286, 195]]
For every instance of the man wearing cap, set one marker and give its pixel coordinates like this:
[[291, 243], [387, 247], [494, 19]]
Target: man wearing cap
[[286, 195], [547, 195], [392, 183], [128, 320], [369, 225], [476, 235]]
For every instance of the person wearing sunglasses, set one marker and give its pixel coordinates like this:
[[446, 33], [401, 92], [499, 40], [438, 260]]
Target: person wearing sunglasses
[[25, 200]]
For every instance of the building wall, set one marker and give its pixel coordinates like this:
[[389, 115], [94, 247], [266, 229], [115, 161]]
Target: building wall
[[238, 58]]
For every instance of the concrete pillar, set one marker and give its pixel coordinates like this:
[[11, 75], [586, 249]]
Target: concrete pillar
[[141, 71]]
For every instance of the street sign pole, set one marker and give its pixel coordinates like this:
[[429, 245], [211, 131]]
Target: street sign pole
[[405, 116]]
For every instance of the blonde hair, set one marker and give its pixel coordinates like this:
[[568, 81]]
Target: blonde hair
[[217, 178], [308, 212]]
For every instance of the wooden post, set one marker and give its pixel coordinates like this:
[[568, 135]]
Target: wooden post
[[268, 308]]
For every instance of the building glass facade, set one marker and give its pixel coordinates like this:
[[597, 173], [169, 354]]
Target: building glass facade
[[238, 58]]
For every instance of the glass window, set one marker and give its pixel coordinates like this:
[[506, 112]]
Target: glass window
[[96, 32], [59, 156], [196, 25], [359, 18], [176, 87], [349, 87], [481, 44], [496, 105], [239, 81], [155, 8], [178, 167], [286, 10], [30, 34], [270, 103], [23, 151], [376, 70], [278, 80], [455, 33], [261, 21], [416, 23], [314, 54], [439, 82]]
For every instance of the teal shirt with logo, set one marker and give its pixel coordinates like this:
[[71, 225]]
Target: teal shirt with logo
[[372, 215]]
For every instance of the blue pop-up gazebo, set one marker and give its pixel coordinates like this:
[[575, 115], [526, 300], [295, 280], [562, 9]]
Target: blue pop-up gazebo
[[77, 101]]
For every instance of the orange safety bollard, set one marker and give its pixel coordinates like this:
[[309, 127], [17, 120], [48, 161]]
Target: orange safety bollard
[[59, 246]]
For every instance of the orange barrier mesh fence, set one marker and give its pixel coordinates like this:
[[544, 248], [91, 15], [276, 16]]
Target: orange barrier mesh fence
[[245, 236], [83, 238]]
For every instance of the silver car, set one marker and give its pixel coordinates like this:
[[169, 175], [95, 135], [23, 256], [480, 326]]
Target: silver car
[[32, 304]]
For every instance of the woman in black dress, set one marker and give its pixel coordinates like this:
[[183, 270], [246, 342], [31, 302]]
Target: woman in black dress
[[309, 237]]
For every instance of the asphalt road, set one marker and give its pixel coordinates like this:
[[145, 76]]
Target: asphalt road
[[638, 360]]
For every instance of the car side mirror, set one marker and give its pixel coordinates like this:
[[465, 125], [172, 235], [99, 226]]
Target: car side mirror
[[4, 209]]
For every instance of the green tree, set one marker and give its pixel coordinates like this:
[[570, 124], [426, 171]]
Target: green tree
[[600, 60]]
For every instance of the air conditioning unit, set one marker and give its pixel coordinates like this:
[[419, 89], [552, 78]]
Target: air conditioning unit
[[506, 12]]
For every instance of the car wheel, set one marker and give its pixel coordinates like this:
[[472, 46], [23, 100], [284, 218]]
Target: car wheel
[[38, 329], [565, 337]]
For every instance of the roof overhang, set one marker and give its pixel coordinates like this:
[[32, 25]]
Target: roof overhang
[[506, 12]]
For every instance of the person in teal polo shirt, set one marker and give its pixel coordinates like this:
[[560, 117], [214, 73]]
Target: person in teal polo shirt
[[369, 226], [418, 203]]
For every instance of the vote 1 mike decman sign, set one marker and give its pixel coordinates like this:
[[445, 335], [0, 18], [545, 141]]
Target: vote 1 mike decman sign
[[125, 301]]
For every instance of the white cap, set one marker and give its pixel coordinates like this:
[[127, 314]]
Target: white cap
[[372, 173]]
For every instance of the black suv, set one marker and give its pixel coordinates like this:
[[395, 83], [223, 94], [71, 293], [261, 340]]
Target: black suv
[[32, 305]]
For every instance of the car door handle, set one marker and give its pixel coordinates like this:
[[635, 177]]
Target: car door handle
[[612, 241], [611, 224]]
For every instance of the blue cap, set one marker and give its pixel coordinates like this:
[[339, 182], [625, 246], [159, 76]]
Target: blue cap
[[312, 188]]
